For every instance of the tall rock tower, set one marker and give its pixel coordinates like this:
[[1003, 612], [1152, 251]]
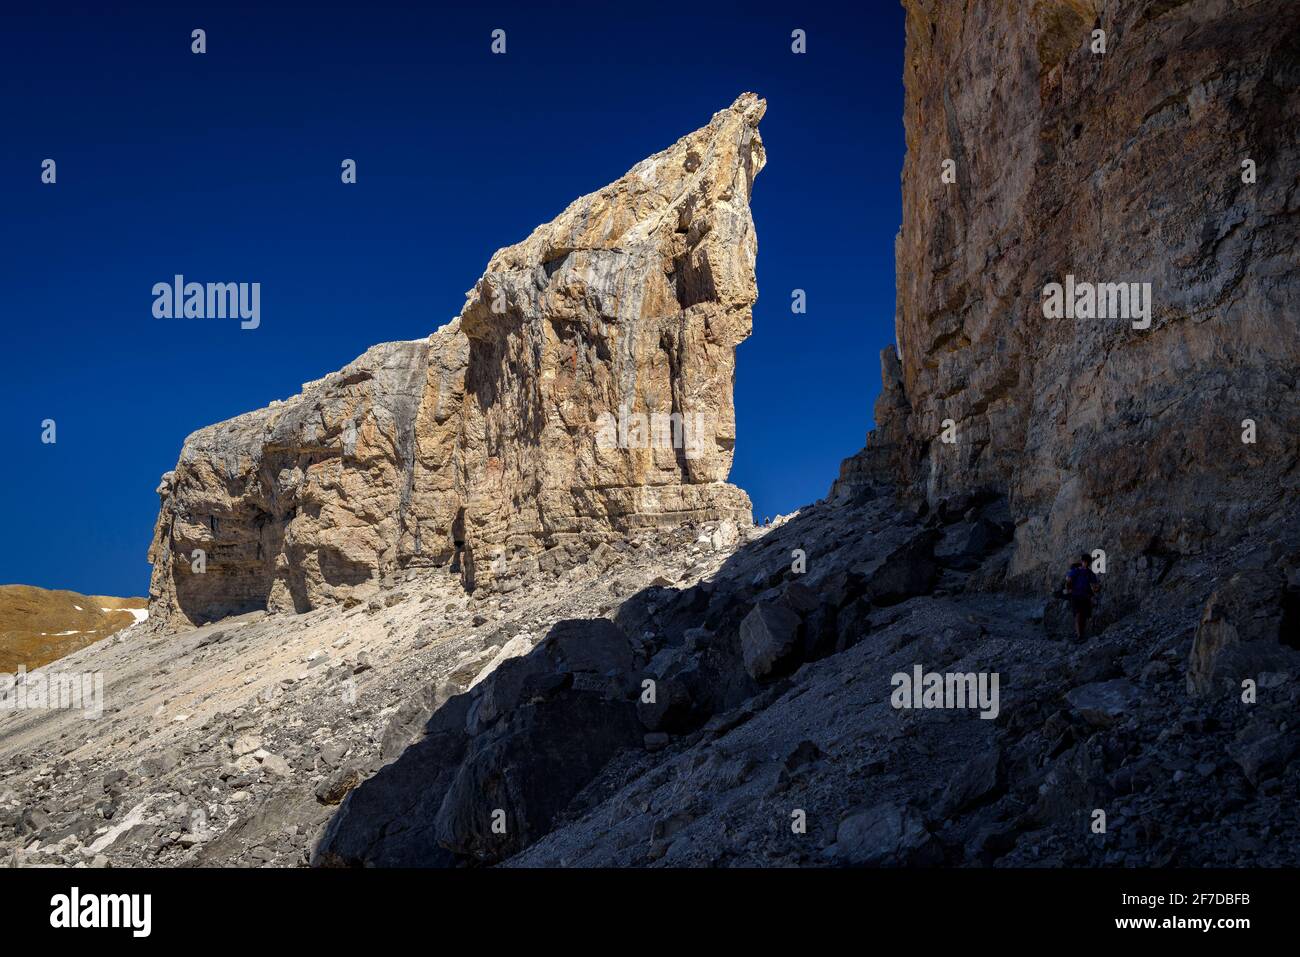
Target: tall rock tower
[[584, 391]]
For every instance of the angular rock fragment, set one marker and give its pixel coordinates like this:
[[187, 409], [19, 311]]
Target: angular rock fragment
[[769, 636], [886, 836], [1105, 702], [1240, 634], [980, 780]]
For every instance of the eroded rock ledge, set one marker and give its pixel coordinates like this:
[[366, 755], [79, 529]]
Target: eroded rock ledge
[[585, 390]]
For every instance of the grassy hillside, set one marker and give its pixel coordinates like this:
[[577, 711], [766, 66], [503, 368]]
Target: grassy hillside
[[39, 626]]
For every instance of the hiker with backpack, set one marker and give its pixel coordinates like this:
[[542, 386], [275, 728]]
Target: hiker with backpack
[[1081, 584]]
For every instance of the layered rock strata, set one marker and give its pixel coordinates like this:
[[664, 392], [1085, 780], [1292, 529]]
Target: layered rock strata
[[1161, 150], [585, 390]]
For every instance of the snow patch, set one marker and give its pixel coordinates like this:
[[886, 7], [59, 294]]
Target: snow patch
[[139, 614]]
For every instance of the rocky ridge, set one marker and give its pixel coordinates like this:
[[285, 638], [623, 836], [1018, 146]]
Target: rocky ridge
[[399, 731], [584, 392], [233, 743], [711, 694]]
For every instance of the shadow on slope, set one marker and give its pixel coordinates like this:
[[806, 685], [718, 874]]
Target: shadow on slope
[[494, 766], [686, 729]]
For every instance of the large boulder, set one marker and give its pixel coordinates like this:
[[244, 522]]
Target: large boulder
[[407, 723], [886, 836], [520, 774], [595, 645], [769, 639], [907, 571], [672, 707], [388, 820], [1103, 703], [1240, 634], [1263, 753], [980, 780], [965, 544]]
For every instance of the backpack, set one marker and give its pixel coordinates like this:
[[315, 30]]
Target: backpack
[[1078, 583]]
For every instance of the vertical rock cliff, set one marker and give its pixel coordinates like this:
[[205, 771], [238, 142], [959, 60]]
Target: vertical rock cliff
[[1117, 164], [585, 390], [624, 312]]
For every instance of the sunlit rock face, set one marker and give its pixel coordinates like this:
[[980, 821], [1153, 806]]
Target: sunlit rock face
[[1122, 166], [585, 391], [311, 500], [602, 352]]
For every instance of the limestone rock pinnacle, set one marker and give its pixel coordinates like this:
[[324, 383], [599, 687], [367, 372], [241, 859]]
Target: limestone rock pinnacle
[[584, 391]]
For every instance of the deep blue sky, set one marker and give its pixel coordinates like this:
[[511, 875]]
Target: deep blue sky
[[226, 167]]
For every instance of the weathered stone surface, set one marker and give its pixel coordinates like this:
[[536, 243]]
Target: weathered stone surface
[[592, 645], [980, 780], [584, 391], [1105, 702], [671, 708], [526, 770], [886, 836], [903, 573], [1102, 434], [1240, 634], [336, 787], [304, 502], [769, 635], [388, 822], [632, 300], [1263, 755], [407, 724]]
